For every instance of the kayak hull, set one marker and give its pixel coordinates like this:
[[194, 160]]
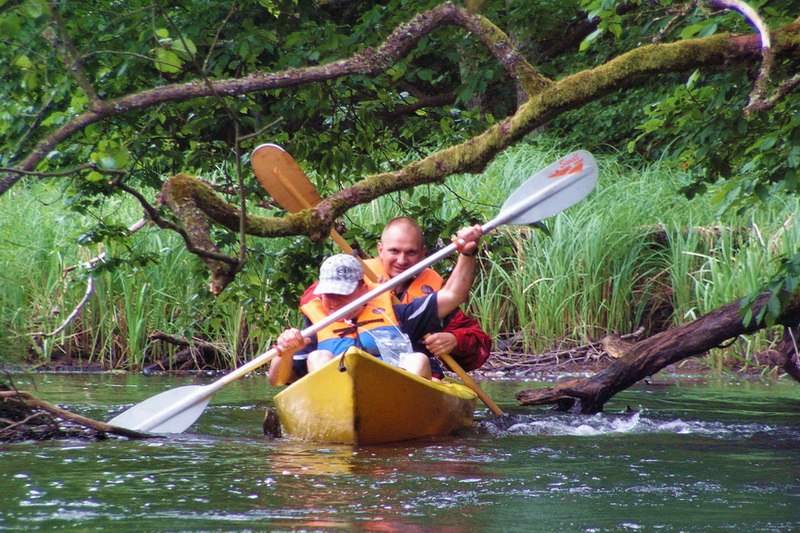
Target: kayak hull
[[359, 399]]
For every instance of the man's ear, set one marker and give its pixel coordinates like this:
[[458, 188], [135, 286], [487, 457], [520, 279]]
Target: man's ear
[[379, 246]]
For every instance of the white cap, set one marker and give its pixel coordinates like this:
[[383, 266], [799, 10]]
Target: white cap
[[339, 274]]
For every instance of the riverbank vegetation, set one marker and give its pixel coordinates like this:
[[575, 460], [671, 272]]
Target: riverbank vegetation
[[426, 109], [636, 255]]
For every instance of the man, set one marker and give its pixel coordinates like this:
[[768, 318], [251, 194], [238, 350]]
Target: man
[[342, 282], [401, 247]]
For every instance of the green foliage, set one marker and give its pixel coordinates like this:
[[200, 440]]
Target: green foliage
[[344, 129], [633, 254], [596, 268], [146, 282], [696, 122], [741, 162]]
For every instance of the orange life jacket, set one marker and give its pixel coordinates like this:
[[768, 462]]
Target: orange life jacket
[[341, 335], [425, 283]]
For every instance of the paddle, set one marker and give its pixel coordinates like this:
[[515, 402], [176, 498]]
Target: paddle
[[285, 181], [175, 410]]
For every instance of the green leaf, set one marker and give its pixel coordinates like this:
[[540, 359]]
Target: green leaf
[[690, 31], [774, 308], [396, 72], [651, 125], [23, 62], [186, 45], [108, 163], [723, 192], [167, 61], [748, 316], [708, 30], [768, 142], [590, 39], [35, 8]]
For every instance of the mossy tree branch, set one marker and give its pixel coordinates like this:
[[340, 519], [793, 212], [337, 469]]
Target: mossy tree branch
[[546, 99]]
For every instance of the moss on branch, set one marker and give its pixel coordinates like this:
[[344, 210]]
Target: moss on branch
[[193, 201]]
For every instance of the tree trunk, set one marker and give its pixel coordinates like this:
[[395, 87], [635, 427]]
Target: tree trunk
[[784, 356], [647, 357]]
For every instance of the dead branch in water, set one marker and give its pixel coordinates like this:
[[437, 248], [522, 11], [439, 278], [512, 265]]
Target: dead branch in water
[[647, 357], [524, 364], [26, 417]]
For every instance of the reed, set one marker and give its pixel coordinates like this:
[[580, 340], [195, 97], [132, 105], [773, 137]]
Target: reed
[[632, 246], [163, 289], [634, 253]]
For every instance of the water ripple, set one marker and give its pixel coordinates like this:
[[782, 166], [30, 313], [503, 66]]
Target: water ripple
[[608, 424]]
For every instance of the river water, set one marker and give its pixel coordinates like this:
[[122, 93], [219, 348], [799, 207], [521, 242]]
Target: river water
[[677, 454]]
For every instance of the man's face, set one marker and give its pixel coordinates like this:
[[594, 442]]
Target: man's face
[[333, 302], [400, 249]]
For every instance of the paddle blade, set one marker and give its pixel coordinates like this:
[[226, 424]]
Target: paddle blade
[[172, 411], [578, 168], [283, 179]]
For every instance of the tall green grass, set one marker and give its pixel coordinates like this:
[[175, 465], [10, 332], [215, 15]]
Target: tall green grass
[[608, 270], [634, 254], [168, 294]]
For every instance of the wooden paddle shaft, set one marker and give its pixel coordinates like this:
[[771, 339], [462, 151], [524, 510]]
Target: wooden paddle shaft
[[461, 373], [338, 239]]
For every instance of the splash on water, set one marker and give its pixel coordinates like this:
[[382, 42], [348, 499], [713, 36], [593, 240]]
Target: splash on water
[[634, 422]]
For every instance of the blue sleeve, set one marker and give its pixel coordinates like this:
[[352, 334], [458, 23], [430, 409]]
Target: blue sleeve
[[303, 352], [419, 317]]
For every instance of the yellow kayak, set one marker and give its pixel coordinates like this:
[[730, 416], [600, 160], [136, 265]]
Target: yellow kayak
[[368, 401]]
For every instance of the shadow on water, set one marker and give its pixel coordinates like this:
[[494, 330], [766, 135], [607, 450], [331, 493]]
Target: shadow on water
[[699, 457]]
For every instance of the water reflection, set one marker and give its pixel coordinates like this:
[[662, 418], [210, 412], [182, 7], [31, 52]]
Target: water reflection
[[302, 459], [333, 486], [688, 458]]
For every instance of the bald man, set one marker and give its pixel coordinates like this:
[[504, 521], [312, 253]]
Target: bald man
[[402, 247]]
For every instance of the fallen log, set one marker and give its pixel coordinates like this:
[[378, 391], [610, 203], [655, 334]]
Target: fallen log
[[26, 417], [647, 357], [784, 356]]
